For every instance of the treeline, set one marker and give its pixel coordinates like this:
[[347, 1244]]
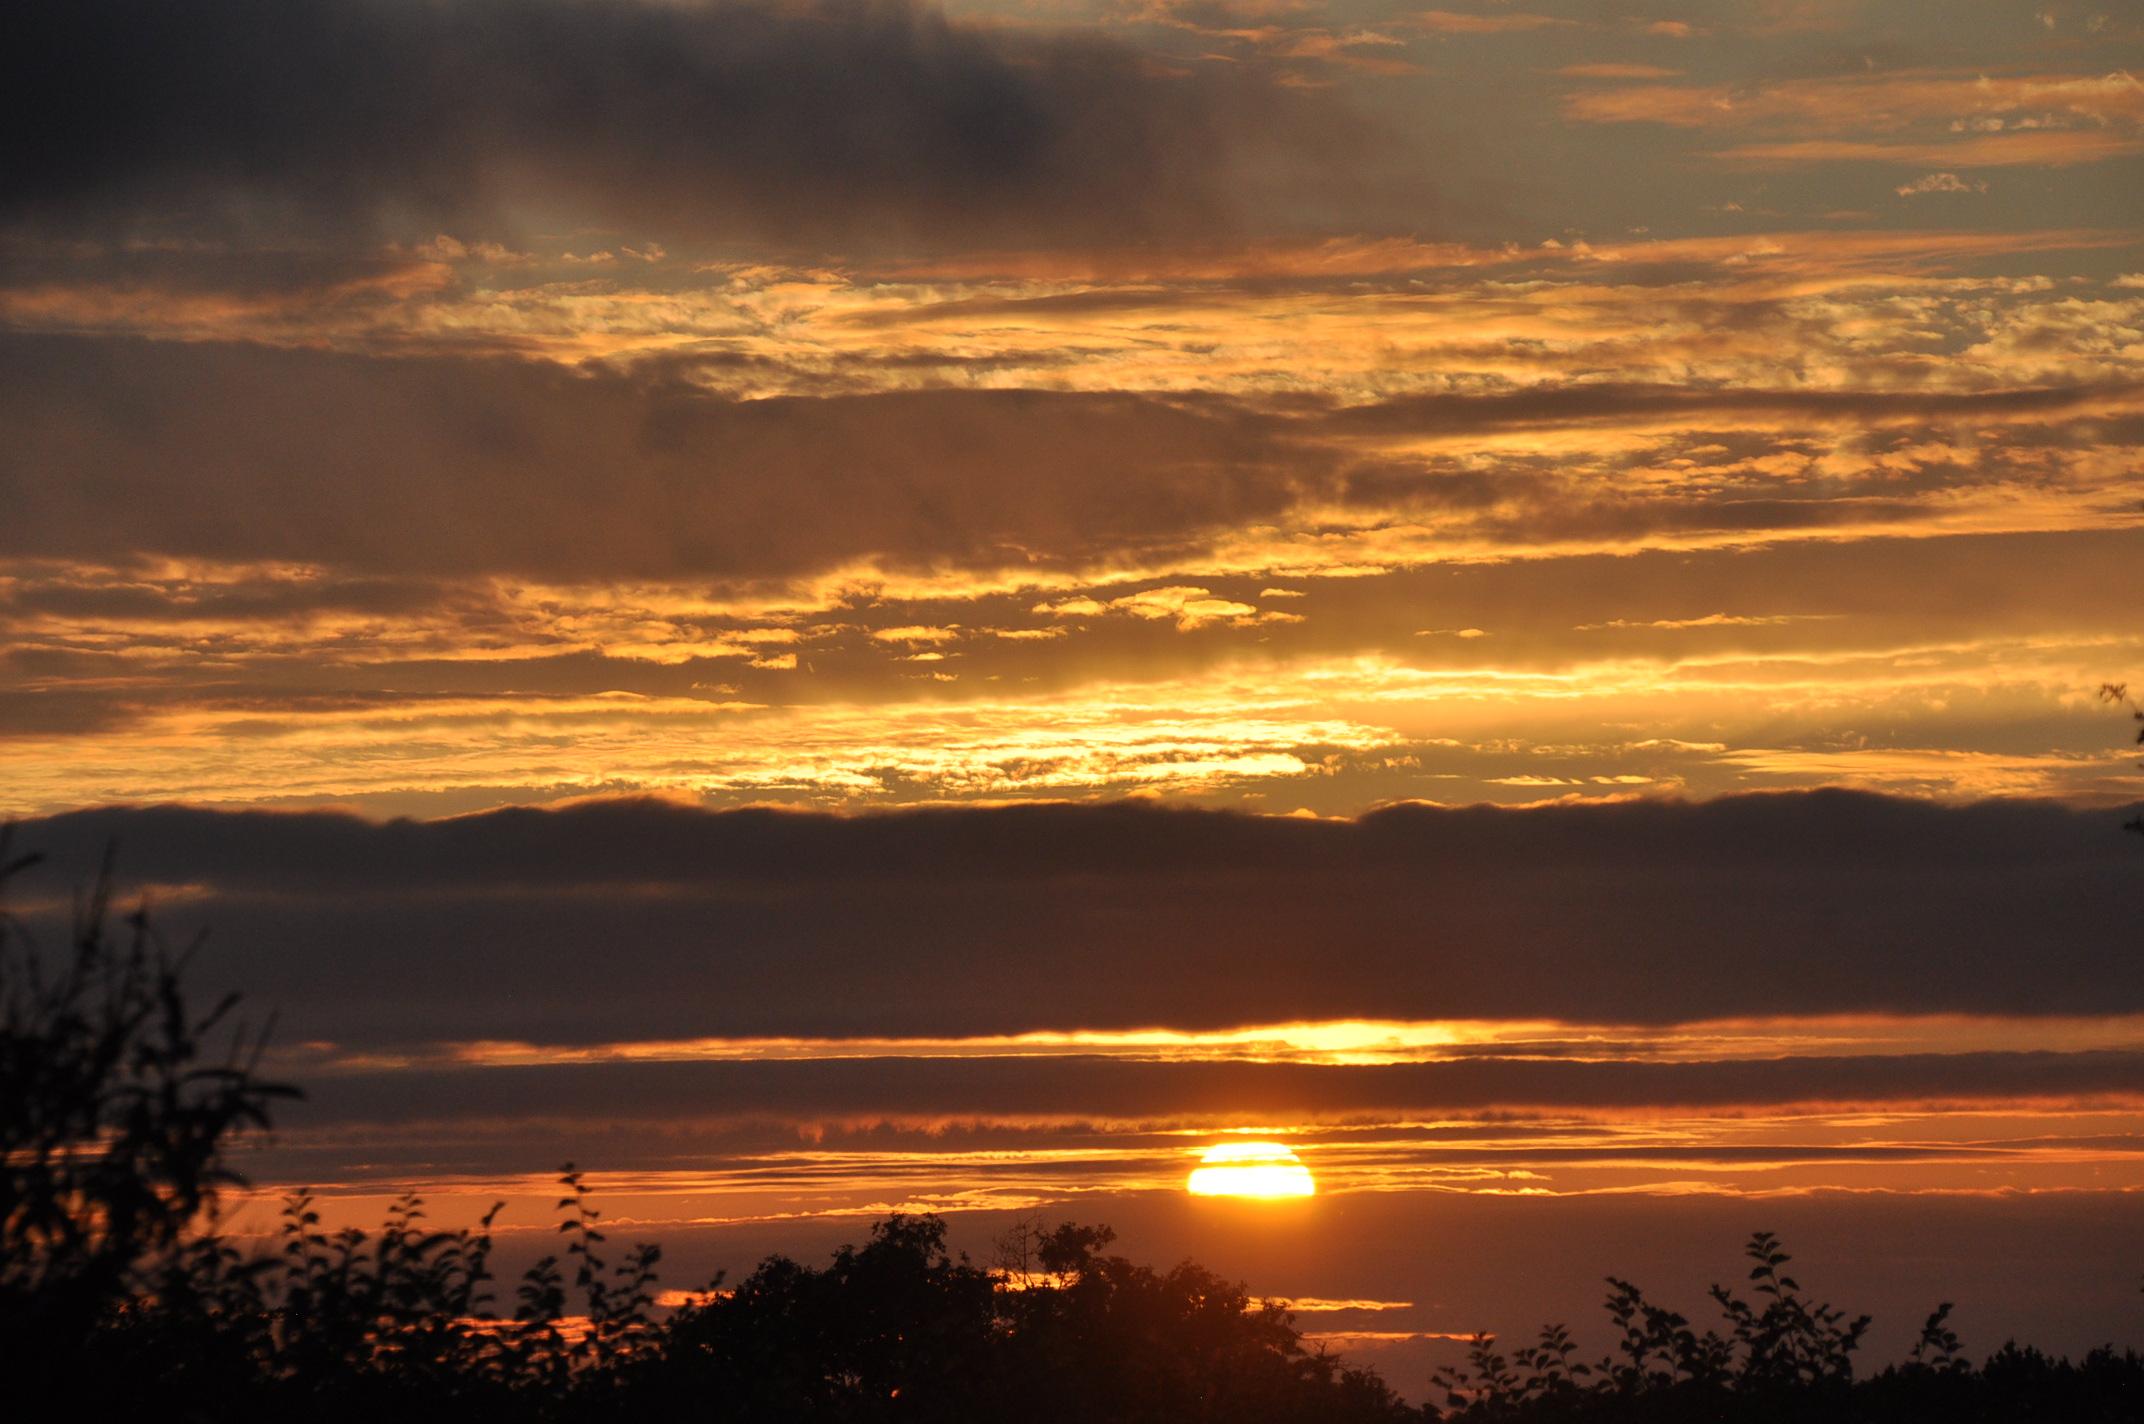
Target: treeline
[[1778, 1357], [406, 1323], [402, 1324], [120, 1298]]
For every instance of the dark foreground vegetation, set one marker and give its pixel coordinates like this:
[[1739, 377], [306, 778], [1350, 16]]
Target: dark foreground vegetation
[[118, 1293]]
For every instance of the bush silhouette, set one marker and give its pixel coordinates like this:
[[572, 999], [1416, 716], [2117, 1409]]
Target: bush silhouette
[[116, 1117], [1784, 1358], [2118, 693]]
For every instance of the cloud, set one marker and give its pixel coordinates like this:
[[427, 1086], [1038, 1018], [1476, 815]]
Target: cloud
[[1814, 254], [1940, 183], [613, 920], [1888, 102], [1956, 666], [1042, 1088], [1185, 606], [1952, 118], [866, 122], [415, 465], [1617, 71], [2054, 148], [1453, 22], [439, 466], [1550, 405]]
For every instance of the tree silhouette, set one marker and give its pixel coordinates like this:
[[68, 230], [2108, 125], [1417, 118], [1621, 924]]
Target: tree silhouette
[[2118, 693], [116, 1115], [900, 1329]]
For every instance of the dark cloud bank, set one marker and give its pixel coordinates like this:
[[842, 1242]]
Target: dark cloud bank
[[845, 120], [454, 466], [1023, 1090], [639, 919]]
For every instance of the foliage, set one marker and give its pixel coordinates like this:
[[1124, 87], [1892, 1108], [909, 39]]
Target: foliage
[[2118, 693], [899, 1329], [1783, 1359], [115, 1116]]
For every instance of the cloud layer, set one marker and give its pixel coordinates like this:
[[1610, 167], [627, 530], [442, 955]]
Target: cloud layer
[[432, 466], [866, 122], [628, 920]]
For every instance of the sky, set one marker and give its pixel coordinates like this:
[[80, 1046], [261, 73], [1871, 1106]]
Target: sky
[[831, 606]]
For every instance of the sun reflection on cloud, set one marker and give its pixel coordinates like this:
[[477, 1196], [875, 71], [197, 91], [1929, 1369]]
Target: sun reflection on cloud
[[1350, 1042]]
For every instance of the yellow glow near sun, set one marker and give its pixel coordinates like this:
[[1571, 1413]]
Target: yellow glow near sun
[[1251, 1169]]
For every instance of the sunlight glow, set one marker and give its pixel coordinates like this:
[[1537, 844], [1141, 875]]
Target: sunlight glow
[[1251, 1169], [1340, 1042]]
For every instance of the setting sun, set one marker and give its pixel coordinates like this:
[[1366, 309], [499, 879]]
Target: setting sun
[[1251, 1169]]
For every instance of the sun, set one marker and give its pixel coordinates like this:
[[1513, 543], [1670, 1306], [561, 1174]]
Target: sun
[[1267, 1170]]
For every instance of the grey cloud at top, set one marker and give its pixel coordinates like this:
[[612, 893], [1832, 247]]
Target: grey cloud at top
[[856, 122]]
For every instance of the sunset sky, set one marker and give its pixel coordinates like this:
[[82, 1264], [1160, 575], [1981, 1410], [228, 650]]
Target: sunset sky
[[827, 606]]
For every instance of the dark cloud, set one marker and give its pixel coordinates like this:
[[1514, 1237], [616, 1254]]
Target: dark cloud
[[858, 121], [234, 280], [1615, 402], [1635, 518], [46, 712], [1020, 1089], [263, 599], [1382, 484], [500, 466], [641, 919], [434, 465]]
